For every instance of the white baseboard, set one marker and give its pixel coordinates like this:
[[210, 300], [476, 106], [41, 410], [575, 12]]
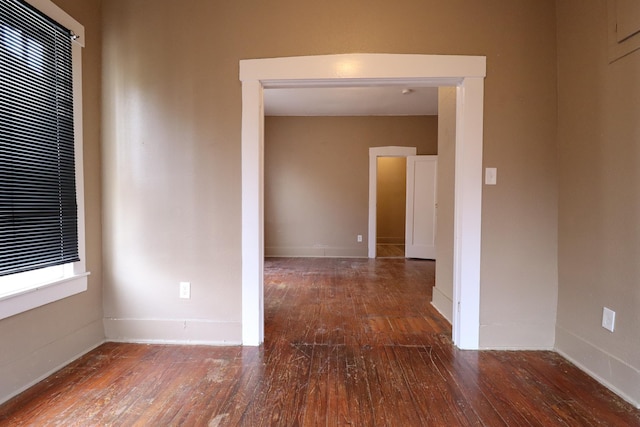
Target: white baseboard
[[442, 303], [176, 342], [54, 352], [615, 374], [173, 331], [319, 251], [517, 336], [390, 240]]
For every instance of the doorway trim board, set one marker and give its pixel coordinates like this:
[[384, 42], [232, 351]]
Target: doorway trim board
[[374, 153], [466, 73]]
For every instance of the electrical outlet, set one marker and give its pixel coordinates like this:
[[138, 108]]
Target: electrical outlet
[[359, 238], [608, 319], [185, 290], [490, 176]]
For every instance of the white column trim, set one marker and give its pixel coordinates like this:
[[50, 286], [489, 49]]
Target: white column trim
[[352, 70]]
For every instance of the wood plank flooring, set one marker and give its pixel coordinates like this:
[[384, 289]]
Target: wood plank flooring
[[350, 342], [387, 250]]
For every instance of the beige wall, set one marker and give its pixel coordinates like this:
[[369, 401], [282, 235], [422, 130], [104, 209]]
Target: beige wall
[[41, 340], [172, 119], [391, 199], [317, 179], [599, 215], [171, 162], [442, 298]]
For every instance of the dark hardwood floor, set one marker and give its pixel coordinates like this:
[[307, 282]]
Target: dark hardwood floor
[[386, 250], [349, 343]]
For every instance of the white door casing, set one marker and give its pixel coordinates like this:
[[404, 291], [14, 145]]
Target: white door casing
[[374, 153], [466, 73], [420, 228]]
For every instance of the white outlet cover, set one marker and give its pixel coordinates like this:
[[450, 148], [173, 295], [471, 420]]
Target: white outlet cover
[[608, 319], [185, 290]]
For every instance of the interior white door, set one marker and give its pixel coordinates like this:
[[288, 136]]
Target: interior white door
[[421, 214]]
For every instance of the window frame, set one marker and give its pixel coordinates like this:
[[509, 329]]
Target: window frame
[[68, 279]]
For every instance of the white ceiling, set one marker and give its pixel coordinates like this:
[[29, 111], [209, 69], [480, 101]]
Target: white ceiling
[[352, 101]]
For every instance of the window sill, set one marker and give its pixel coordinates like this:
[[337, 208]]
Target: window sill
[[44, 293]]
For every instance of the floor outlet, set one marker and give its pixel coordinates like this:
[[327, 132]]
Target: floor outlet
[[185, 290], [608, 319]]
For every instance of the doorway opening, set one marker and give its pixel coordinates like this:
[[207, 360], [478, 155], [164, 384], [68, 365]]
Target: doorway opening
[[376, 153], [466, 73], [391, 207]]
